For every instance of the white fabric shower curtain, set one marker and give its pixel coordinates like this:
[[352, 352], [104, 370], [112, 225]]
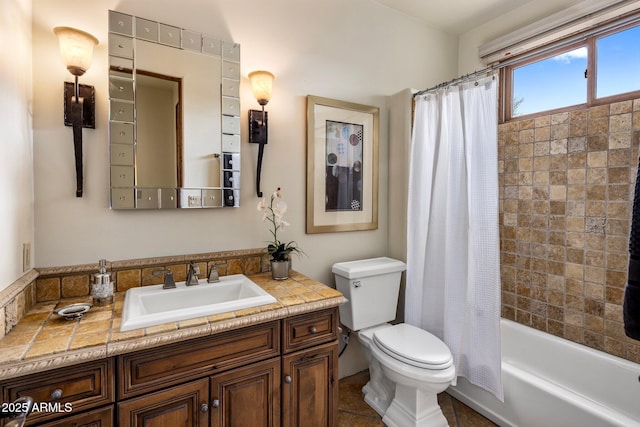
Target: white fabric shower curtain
[[453, 277]]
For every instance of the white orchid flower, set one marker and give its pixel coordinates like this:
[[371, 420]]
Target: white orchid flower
[[280, 209], [273, 214], [282, 223]]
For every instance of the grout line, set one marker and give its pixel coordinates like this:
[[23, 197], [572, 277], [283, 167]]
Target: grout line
[[372, 417], [455, 412]]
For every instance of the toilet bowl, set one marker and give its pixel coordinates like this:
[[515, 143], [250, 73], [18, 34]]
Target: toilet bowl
[[407, 394], [408, 366]]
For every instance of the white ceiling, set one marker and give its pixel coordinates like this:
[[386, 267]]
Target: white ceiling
[[454, 16]]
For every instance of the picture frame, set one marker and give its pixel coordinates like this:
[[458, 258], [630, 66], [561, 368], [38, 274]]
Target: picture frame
[[342, 166]]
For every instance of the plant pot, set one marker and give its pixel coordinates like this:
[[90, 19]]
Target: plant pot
[[280, 270]]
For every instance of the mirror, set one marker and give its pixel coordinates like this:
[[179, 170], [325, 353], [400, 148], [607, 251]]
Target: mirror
[[174, 117]]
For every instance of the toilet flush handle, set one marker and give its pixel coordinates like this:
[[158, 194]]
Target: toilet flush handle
[[356, 283]]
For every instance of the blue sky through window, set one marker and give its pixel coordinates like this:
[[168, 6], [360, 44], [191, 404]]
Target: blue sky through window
[[550, 83], [618, 63], [559, 81]]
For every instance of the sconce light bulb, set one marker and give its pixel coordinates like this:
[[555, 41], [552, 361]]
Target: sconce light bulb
[[262, 84], [76, 49]]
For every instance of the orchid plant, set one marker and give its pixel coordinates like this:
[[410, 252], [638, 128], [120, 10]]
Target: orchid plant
[[273, 212]]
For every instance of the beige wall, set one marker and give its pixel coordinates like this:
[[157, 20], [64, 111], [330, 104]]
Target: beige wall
[[356, 51], [16, 161]]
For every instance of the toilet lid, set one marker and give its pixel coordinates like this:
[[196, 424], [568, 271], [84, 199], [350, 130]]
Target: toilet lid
[[413, 346]]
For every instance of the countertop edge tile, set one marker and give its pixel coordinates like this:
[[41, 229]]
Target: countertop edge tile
[[315, 305], [149, 341], [253, 319], [58, 360]]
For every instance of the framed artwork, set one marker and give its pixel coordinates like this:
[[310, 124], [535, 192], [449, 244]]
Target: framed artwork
[[342, 166]]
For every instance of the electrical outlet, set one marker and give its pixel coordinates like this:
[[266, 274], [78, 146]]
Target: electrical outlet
[[26, 256]]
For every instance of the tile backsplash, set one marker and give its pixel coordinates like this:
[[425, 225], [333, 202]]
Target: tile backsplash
[[54, 283], [566, 195]]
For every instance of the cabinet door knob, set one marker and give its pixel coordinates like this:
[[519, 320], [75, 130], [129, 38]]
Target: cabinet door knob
[[313, 330], [215, 403], [56, 394], [288, 379], [204, 407]]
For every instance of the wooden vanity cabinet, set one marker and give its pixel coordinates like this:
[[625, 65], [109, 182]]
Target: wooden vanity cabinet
[[279, 373], [252, 381], [194, 383]]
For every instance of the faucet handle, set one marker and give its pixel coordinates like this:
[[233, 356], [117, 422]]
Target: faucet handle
[[169, 283], [194, 267], [213, 274]]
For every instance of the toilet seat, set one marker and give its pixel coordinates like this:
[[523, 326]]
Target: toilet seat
[[413, 346]]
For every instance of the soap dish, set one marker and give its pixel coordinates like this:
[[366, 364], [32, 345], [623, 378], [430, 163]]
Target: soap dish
[[73, 311]]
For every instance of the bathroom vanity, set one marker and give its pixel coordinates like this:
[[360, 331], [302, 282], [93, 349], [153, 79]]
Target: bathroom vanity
[[282, 371]]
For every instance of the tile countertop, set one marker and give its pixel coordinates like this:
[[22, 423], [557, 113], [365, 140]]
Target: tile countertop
[[43, 340]]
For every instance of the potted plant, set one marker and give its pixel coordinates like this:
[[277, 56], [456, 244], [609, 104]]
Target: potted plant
[[280, 252]]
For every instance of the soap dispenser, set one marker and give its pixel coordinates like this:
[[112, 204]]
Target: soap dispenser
[[102, 286]]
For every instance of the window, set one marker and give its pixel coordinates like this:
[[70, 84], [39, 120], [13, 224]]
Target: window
[[602, 68], [618, 63]]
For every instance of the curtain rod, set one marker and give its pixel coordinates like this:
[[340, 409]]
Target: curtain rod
[[460, 79]]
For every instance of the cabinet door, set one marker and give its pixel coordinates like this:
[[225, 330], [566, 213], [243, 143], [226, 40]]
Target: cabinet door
[[248, 396], [102, 417], [180, 406], [310, 388]]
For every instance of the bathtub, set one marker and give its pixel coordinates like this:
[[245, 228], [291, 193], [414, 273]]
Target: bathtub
[[552, 382]]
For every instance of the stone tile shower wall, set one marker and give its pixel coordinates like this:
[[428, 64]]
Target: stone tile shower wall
[[566, 195]]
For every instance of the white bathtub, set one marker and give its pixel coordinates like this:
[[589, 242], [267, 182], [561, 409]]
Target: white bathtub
[[552, 382]]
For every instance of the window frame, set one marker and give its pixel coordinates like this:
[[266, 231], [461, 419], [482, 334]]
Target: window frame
[[548, 51]]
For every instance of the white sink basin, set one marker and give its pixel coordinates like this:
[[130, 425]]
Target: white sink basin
[[152, 305]]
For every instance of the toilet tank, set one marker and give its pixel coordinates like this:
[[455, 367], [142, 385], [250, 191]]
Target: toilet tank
[[371, 287]]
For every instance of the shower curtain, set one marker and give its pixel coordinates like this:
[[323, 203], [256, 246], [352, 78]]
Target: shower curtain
[[453, 277]]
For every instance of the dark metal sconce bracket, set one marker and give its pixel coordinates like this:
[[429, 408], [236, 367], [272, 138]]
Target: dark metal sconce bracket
[[258, 126], [258, 130], [79, 115], [87, 92]]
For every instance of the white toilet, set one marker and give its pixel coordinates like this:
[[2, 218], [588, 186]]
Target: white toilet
[[408, 366]]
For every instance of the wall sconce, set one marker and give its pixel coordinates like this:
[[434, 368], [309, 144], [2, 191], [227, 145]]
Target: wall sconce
[[261, 83], [76, 49]]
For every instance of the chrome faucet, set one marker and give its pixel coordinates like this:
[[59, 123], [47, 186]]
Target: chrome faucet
[[192, 275], [19, 410], [213, 275], [169, 283]]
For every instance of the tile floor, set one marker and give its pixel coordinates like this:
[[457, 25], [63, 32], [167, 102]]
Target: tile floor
[[354, 412]]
